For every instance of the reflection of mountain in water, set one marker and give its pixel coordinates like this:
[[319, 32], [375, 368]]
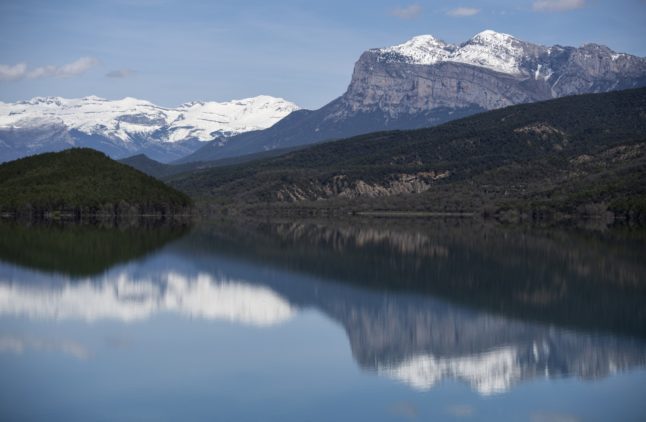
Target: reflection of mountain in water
[[423, 340], [580, 279], [540, 303], [262, 275], [82, 249]]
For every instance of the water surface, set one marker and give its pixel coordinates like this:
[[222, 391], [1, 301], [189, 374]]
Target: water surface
[[349, 320]]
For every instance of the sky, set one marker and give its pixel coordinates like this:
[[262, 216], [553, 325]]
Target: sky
[[174, 51]]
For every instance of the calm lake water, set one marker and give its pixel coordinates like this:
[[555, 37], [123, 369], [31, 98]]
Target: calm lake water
[[322, 321]]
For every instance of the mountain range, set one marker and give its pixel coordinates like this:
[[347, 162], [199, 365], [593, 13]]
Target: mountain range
[[420, 83], [129, 126], [425, 81]]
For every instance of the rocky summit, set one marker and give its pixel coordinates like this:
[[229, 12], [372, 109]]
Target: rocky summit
[[425, 81], [491, 70]]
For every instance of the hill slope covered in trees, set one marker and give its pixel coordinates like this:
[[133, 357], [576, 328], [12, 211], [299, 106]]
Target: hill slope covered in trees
[[82, 181], [580, 154]]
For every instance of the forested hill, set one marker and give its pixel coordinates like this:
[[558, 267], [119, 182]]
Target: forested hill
[[82, 181], [582, 153]]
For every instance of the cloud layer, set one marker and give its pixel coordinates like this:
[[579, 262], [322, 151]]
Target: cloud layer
[[9, 73], [20, 70], [463, 11], [557, 5], [407, 12]]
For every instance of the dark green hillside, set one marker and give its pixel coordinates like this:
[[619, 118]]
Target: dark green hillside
[[82, 181], [579, 154]]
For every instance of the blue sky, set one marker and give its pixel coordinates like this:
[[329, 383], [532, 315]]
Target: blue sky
[[170, 52]]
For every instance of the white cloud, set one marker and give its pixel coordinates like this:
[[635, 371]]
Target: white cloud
[[20, 70], [120, 73], [463, 11], [77, 67], [557, 5], [42, 72], [407, 12], [9, 73]]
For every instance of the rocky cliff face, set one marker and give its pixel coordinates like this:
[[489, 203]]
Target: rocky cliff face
[[425, 81], [345, 187], [490, 71]]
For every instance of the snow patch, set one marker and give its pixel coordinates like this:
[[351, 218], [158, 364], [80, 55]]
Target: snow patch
[[129, 117], [489, 49]]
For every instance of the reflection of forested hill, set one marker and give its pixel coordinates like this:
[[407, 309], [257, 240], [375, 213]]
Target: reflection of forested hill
[[573, 278], [81, 250]]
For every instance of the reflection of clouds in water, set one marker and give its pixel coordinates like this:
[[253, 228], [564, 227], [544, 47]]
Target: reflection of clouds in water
[[122, 298], [460, 410], [19, 345], [554, 417], [404, 409], [118, 342], [488, 373]]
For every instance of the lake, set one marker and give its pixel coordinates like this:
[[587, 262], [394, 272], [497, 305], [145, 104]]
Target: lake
[[322, 320]]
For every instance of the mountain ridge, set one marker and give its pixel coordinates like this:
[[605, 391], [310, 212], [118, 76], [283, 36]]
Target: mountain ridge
[[390, 90], [129, 125]]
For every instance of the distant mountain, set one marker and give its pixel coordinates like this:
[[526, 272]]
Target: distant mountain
[[129, 126], [82, 182], [577, 154], [425, 81], [165, 171], [147, 165]]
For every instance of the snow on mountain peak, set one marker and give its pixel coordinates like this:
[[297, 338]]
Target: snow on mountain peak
[[230, 117], [493, 50], [490, 49], [423, 49], [93, 98], [492, 36], [128, 117], [44, 100]]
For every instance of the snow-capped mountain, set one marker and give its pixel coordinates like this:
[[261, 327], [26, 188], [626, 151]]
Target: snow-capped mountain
[[130, 126], [489, 49], [505, 54], [488, 71], [426, 81]]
